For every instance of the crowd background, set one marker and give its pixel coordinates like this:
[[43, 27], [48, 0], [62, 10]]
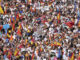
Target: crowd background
[[40, 30]]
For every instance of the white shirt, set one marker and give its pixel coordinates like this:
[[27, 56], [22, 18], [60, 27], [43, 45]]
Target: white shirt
[[38, 58]]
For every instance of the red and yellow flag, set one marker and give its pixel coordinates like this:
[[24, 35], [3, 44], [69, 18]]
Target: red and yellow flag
[[1, 10], [31, 41], [17, 17], [1, 27], [11, 38], [58, 16], [79, 56], [9, 54], [19, 32], [57, 43], [32, 56], [79, 23], [20, 26], [13, 27], [16, 53], [72, 57], [26, 41], [41, 49], [29, 1]]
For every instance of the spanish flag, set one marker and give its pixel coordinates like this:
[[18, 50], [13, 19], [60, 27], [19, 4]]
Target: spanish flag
[[41, 3], [16, 53], [49, 37], [57, 43], [32, 42], [8, 35], [19, 32], [32, 57], [20, 26], [11, 20], [5, 12], [58, 16], [29, 1], [41, 49], [69, 24], [28, 31], [79, 56], [1, 27], [50, 4], [1, 11], [37, 51], [9, 54], [17, 17], [72, 56], [13, 27], [26, 41], [52, 44], [35, 44], [11, 38], [79, 23]]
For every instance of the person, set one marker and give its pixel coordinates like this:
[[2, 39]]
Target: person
[[38, 28]]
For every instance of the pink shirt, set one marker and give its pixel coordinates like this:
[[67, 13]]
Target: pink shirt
[[55, 58]]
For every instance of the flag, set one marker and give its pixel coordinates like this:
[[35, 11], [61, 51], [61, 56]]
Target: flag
[[41, 3], [1, 27], [70, 24], [36, 44], [26, 41], [49, 37], [41, 49], [29, 1], [32, 41], [57, 43], [72, 56], [52, 44], [28, 31], [11, 20], [11, 38], [19, 32], [37, 51], [1, 11], [32, 56], [58, 16], [17, 16], [9, 54], [8, 35], [5, 11], [20, 26], [79, 56], [50, 4], [16, 53], [13, 27]]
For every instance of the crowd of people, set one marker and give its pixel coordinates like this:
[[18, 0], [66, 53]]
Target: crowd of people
[[39, 30]]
